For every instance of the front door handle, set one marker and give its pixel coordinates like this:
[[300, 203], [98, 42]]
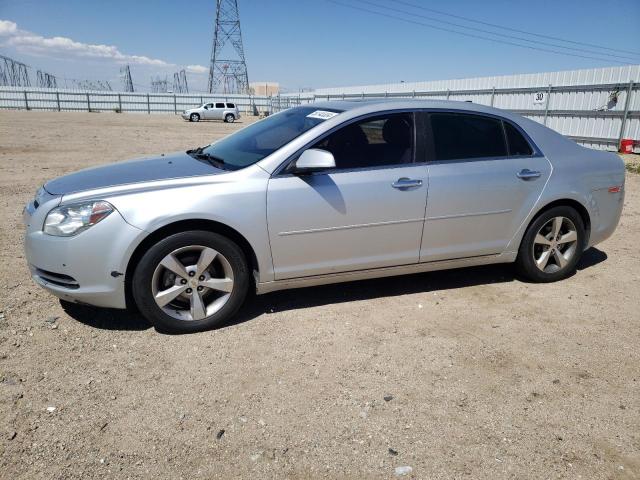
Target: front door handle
[[404, 183], [526, 174]]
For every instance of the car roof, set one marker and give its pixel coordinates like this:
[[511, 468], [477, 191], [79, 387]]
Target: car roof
[[369, 105]]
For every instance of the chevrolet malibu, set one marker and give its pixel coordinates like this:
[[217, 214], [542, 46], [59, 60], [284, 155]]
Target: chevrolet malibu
[[317, 194]]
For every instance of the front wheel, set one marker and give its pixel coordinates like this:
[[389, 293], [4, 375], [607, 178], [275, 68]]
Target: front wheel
[[229, 118], [194, 117], [552, 245], [191, 281]]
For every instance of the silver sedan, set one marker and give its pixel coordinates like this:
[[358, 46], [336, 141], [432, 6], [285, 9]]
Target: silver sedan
[[322, 193]]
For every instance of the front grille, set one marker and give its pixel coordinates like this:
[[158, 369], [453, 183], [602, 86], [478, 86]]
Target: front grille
[[59, 279]]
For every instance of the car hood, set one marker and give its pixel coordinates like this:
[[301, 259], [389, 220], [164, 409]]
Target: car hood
[[176, 165]]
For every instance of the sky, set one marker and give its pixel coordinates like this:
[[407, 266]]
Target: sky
[[317, 43]]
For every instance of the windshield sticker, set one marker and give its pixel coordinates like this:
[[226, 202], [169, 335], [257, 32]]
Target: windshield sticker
[[322, 115]]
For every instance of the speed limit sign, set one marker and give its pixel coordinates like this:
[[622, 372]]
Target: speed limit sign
[[539, 97]]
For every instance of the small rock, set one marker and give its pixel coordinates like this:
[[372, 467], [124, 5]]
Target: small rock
[[54, 326], [13, 435], [556, 381], [113, 397], [51, 319], [388, 398], [51, 409], [402, 471], [623, 407], [393, 452], [220, 434]]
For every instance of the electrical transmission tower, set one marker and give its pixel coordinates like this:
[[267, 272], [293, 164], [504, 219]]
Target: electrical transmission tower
[[46, 80], [228, 68], [13, 73], [91, 85], [180, 82], [159, 85], [125, 74]]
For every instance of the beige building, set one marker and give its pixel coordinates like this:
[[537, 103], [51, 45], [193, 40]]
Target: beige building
[[264, 88]]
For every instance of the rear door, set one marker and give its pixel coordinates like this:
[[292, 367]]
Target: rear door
[[366, 213], [485, 176], [219, 111]]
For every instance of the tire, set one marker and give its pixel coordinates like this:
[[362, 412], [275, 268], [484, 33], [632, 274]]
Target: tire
[[229, 118], [552, 245], [191, 306], [194, 117]]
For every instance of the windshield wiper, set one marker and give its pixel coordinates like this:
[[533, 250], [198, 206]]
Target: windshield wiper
[[212, 159]]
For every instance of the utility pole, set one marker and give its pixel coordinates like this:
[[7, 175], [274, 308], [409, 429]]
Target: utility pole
[[228, 68]]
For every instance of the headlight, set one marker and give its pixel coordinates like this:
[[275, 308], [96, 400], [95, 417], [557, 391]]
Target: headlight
[[72, 219]]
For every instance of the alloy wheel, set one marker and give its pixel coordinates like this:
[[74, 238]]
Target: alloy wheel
[[192, 283], [555, 244]]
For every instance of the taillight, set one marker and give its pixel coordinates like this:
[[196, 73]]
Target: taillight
[[615, 189]]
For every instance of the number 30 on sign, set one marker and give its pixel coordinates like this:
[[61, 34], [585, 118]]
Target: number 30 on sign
[[539, 97]]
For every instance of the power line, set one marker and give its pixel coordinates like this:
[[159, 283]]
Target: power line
[[550, 37], [504, 35], [530, 47]]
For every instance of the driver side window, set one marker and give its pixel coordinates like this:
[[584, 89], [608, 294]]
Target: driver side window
[[373, 142]]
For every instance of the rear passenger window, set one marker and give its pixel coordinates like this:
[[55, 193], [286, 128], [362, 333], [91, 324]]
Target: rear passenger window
[[458, 136], [219, 105], [518, 145], [231, 105]]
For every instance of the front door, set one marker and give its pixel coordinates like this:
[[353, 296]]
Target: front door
[[484, 180], [368, 212]]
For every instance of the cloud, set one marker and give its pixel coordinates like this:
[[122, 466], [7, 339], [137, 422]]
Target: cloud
[[27, 42], [197, 69], [7, 27]]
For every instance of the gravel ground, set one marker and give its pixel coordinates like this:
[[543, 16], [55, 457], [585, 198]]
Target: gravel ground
[[459, 374]]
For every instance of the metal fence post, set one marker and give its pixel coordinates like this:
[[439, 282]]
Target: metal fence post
[[175, 107], [493, 94], [413, 94], [58, 99], [26, 101], [546, 105], [119, 103], [201, 101], [627, 102], [448, 93], [88, 103], [148, 105]]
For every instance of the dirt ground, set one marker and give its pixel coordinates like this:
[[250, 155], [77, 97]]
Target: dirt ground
[[459, 374]]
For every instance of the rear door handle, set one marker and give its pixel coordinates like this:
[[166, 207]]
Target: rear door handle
[[404, 183], [526, 174]]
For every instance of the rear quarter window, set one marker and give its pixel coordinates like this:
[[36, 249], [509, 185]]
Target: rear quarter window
[[231, 105], [518, 145]]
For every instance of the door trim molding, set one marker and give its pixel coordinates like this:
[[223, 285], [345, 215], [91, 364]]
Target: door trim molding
[[349, 227], [463, 215]]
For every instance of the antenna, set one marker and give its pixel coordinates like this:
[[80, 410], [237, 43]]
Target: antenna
[[228, 66]]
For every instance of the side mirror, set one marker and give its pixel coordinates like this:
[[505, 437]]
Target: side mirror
[[314, 159]]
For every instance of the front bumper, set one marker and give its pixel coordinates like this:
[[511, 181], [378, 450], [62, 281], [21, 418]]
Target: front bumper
[[87, 268]]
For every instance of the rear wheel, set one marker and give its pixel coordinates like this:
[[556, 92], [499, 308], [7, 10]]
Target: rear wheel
[[194, 117], [191, 281], [229, 118], [552, 246]]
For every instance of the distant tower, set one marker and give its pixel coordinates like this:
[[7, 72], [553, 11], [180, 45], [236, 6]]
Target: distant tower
[[13, 73], [180, 82], [228, 68], [46, 80], [127, 83]]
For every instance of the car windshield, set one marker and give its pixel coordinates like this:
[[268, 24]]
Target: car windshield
[[255, 142]]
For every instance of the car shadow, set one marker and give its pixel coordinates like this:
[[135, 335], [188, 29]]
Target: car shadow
[[110, 319]]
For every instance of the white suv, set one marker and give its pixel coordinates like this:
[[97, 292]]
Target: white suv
[[213, 111]]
